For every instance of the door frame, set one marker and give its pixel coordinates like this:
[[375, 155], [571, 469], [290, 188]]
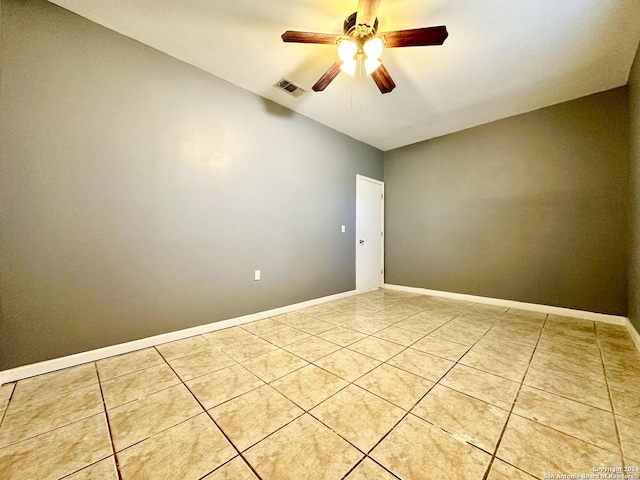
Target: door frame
[[381, 183]]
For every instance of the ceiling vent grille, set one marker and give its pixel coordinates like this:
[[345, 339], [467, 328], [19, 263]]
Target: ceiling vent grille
[[289, 87]]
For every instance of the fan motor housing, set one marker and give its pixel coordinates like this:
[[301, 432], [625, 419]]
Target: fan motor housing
[[350, 27]]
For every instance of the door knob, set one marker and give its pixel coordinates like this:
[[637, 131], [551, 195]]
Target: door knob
[[361, 242]]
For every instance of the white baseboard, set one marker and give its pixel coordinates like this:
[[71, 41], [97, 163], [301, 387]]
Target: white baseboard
[[47, 366], [635, 336], [534, 307]]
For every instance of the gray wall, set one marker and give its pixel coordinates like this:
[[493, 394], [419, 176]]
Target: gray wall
[[139, 193], [530, 208], [634, 188]]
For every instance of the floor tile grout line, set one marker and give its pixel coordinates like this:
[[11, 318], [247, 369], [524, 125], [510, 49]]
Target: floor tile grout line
[[6, 407], [408, 412], [513, 404], [106, 417], [613, 409], [206, 412]]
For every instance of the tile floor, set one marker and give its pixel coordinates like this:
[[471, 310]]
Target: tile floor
[[378, 386]]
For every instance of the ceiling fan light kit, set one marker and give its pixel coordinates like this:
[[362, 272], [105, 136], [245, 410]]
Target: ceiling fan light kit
[[360, 42]]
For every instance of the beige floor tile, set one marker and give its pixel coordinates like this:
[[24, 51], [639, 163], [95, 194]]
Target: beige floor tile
[[420, 363], [405, 309], [492, 310], [293, 319], [347, 364], [469, 321], [416, 450], [309, 386], [103, 470], [623, 376], [260, 327], [628, 360], [518, 314], [572, 322], [133, 386], [129, 362], [338, 318], [312, 348], [251, 417], [342, 336], [182, 348], [570, 386], [630, 438], [567, 363], [365, 325], [222, 385], [189, 450], [315, 326], [302, 449], [466, 418], [369, 470], [584, 353], [136, 421], [608, 330], [358, 416], [504, 471], [57, 453], [388, 317], [236, 469], [376, 348], [620, 345], [484, 386], [500, 347], [399, 335], [455, 335], [227, 336], [284, 336], [397, 386], [419, 325], [441, 348], [319, 310], [55, 383], [24, 420], [496, 362], [626, 400], [248, 348], [541, 450], [201, 363], [440, 315], [273, 365], [565, 336], [516, 334]]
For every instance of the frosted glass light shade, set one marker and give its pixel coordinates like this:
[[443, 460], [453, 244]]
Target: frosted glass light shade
[[373, 48], [370, 65], [347, 50], [349, 67]]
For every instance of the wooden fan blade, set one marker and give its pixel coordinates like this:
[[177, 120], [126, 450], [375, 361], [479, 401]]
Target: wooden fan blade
[[309, 37], [416, 37], [327, 77], [383, 80], [367, 11]]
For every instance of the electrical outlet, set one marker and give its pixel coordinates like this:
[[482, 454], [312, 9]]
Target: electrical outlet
[[256, 275], [343, 229]]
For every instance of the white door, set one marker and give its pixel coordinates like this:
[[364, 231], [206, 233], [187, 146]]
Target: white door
[[369, 233]]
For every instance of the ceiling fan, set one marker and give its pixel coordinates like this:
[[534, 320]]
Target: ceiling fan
[[360, 41]]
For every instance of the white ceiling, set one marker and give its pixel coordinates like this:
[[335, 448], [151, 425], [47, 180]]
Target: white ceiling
[[502, 57]]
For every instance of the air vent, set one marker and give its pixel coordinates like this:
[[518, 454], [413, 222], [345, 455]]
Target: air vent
[[289, 87]]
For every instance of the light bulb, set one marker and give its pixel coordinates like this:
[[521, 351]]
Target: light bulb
[[349, 67], [370, 65], [373, 48], [346, 50]]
